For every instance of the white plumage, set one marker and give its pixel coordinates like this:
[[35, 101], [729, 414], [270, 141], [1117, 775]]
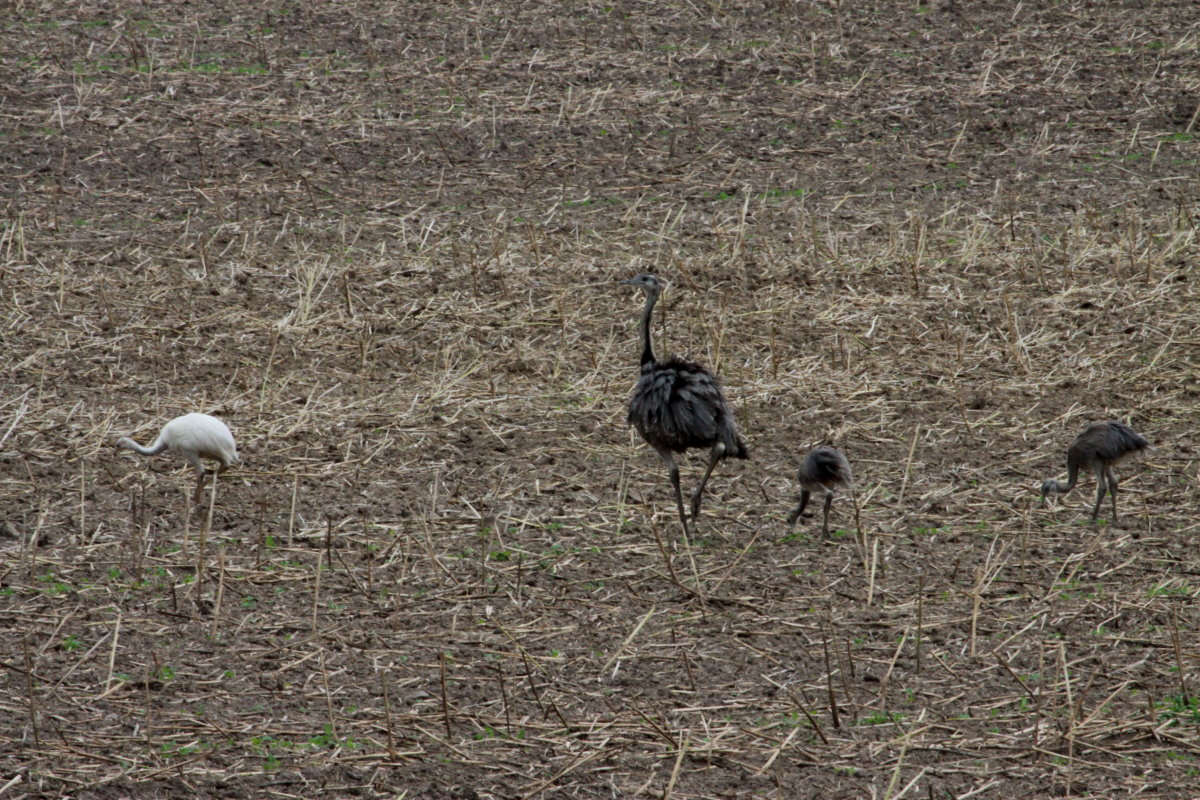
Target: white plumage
[[193, 436]]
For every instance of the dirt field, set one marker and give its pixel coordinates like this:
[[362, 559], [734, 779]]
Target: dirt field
[[382, 240]]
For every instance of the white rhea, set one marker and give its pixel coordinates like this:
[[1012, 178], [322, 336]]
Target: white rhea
[[193, 436]]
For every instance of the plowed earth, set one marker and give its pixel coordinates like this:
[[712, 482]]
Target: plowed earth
[[382, 242]]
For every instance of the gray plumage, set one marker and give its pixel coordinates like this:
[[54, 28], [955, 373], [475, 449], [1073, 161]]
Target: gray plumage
[[1101, 447], [678, 404], [824, 469]]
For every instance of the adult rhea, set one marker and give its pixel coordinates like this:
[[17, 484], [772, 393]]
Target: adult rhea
[[193, 436], [678, 405]]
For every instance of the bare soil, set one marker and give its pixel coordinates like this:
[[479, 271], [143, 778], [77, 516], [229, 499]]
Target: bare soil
[[382, 240]]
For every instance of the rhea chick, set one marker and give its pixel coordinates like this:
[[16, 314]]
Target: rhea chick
[[193, 436], [824, 469], [1101, 447]]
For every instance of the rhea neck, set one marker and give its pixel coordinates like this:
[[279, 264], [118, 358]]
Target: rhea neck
[[647, 312], [1072, 477], [153, 450]]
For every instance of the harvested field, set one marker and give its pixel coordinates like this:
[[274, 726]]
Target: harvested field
[[382, 242]]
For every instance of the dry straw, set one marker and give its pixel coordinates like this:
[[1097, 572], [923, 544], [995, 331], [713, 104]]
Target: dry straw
[[387, 256]]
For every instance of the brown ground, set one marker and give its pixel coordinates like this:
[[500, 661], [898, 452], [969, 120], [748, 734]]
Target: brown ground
[[381, 241]]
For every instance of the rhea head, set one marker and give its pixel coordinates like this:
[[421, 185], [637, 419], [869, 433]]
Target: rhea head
[[646, 282]]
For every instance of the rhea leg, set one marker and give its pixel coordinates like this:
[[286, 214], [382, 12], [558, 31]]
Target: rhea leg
[[1112, 488], [194, 460], [795, 513], [673, 471], [825, 523], [718, 452], [1101, 488], [198, 495]]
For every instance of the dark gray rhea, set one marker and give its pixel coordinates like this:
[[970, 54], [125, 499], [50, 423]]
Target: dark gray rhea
[[824, 469], [1101, 447], [678, 405]]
